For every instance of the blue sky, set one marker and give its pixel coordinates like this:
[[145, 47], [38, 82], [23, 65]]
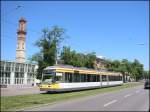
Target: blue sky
[[112, 29]]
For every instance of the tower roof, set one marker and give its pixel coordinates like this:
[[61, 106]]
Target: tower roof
[[22, 20]]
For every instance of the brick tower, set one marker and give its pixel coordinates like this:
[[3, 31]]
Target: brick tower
[[21, 32]]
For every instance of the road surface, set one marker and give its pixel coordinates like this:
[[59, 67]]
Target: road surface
[[130, 99]]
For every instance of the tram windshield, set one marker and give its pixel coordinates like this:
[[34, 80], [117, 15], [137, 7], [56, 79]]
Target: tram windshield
[[47, 81], [50, 77]]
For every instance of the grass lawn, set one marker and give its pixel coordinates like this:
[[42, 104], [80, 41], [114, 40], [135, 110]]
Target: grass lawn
[[22, 101]]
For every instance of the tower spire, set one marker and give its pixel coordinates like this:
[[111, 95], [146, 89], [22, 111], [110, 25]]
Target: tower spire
[[21, 37]]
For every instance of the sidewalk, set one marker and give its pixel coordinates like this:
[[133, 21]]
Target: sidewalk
[[19, 90]]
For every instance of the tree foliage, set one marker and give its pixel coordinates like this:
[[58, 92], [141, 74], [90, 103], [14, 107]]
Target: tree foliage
[[133, 69], [146, 74], [49, 46], [71, 57]]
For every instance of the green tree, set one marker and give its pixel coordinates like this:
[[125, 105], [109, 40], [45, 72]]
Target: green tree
[[71, 57], [66, 55], [133, 69], [146, 74], [49, 46], [137, 70], [90, 58]]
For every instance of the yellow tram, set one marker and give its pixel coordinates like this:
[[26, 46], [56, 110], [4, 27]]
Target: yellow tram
[[69, 78]]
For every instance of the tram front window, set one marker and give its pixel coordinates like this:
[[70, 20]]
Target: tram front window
[[47, 80], [48, 77]]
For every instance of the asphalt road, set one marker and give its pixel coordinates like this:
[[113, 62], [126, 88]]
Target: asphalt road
[[130, 99]]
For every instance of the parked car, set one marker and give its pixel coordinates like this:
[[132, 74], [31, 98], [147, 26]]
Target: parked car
[[147, 84]]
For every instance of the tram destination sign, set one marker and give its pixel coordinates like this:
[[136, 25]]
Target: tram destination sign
[[58, 74]]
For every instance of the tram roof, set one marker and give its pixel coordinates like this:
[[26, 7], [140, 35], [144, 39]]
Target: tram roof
[[70, 68]]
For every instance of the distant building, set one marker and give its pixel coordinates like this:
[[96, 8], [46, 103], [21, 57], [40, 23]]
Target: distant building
[[99, 64], [19, 71]]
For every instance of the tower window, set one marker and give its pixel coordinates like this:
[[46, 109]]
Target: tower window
[[22, 45], [18, 46]]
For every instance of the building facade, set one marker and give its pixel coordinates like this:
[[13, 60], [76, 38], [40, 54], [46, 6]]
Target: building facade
[[18, 72], [13, 73], [99, 64]]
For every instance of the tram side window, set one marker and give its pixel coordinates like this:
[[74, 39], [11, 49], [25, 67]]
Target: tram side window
[[68, 77], [117, 78], [63, 77], [97, 78], [104, 78], [88, 78], [120, 78], [114, 78], [82, 78], [91, 78], [110, 78], [94, 78], [76, 77], [85, 78]]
